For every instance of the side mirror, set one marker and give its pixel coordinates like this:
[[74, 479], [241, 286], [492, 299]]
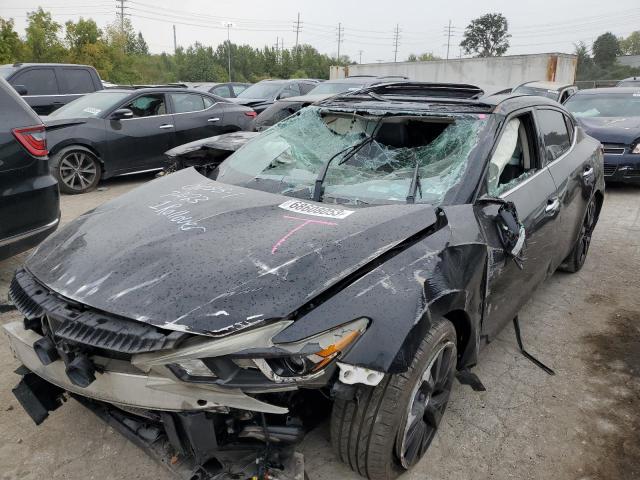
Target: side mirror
[[511, 232], [21, 89], [121, 114]]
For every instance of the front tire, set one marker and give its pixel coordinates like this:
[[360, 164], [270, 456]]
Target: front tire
[[77, 170], [385, 430]]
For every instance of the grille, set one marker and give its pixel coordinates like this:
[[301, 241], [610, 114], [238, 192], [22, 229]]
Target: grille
[[81, 325], [609, 169], [613, 149]]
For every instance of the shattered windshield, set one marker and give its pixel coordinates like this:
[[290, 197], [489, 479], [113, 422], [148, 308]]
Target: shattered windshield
[[288, 158]]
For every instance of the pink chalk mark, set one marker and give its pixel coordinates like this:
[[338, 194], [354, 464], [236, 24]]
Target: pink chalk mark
[[304, 223]]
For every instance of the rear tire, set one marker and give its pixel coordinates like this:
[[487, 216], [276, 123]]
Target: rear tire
[[575, 261], [376, 433], [76, 168]]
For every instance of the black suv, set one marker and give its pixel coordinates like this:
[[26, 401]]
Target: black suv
[[29, 201], [48, 86]]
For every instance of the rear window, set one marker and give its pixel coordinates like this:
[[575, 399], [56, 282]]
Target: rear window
[[37, 81], [553, 127], [539, 92], [78, 80], [92, 105], [6, 71]]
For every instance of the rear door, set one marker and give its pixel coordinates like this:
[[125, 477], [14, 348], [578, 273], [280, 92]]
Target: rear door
[[573, 170], [43, 90], [139, 143], [517, 174], [196, 116], [75, 82]]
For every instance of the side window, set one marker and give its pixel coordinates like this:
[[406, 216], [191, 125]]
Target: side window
[[221, 91], [237, 89], [78, 80], [514, 159], [187, 102], [306, 87], [553, 127], [148, 105], [291, 90], [208, 102], [38, 81]]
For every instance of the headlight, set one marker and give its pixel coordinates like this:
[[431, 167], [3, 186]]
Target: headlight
[[193, 368], [636, 149], [309, 357]]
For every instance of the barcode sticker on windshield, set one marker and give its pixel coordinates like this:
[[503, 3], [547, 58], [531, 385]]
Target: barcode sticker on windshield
[[315, 210]]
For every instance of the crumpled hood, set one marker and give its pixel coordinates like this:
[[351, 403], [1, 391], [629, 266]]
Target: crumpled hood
[[612, 129], [52, 123], [189, 253], [250, 102]]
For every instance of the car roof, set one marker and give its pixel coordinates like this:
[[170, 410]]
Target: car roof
[[608, 90], [19, 65], [133, 90], [546, 85], [631, 79], [291, 80], [425, 96]]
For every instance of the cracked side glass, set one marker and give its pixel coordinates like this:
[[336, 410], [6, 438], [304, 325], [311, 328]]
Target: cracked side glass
[[287, 158]]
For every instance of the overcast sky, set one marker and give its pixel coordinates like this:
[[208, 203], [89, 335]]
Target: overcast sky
[[540, 26]]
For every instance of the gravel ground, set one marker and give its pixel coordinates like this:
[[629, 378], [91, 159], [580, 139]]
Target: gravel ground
[[583, 423]]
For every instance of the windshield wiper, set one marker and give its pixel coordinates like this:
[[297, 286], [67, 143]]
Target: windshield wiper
[[351, 151], [415, 183]]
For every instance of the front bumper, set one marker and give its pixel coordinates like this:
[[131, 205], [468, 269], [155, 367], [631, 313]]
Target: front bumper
[[622, 168], [132, 388]]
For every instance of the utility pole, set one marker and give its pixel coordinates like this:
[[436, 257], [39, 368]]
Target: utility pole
[[340, 38], [175, 42], [277, 49], [121, 15], [228, 25], [396, 43], [448, 39], [360, 55], [297, 29]]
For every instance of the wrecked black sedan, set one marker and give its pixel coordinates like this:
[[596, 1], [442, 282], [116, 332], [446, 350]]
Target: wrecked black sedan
[[354, 257]]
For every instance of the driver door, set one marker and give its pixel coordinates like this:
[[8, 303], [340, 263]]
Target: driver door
[[517, 174], [139, 143]]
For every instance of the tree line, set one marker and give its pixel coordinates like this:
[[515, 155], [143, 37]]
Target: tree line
[[122, 55]]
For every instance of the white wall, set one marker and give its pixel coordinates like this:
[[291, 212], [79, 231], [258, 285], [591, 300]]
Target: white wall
[[499, 72]]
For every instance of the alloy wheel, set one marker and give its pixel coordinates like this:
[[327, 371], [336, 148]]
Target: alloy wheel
[[78, 170], [587, 230], [428, 402]]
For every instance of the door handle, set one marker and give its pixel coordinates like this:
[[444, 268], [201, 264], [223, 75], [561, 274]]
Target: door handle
[[588, 172], [165, 126], [553, 204], [216, 119]]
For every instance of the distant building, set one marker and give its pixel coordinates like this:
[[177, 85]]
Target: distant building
[[629, 60]]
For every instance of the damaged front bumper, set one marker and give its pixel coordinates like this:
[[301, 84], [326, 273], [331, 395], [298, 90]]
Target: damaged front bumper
[[122, 385]]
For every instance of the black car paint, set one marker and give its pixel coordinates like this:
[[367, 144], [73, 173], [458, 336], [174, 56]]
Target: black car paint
[[324, 272], [29, 199], [65, 92], [130, 145]]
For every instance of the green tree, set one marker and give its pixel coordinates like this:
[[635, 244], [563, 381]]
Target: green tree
[[631, 44], [11, 47], [487, 36], [605, 50], [42, 37], [141, 47], [81, 33]]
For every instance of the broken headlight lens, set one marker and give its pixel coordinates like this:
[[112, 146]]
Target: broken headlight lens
[[310, 356], [191, 368]]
